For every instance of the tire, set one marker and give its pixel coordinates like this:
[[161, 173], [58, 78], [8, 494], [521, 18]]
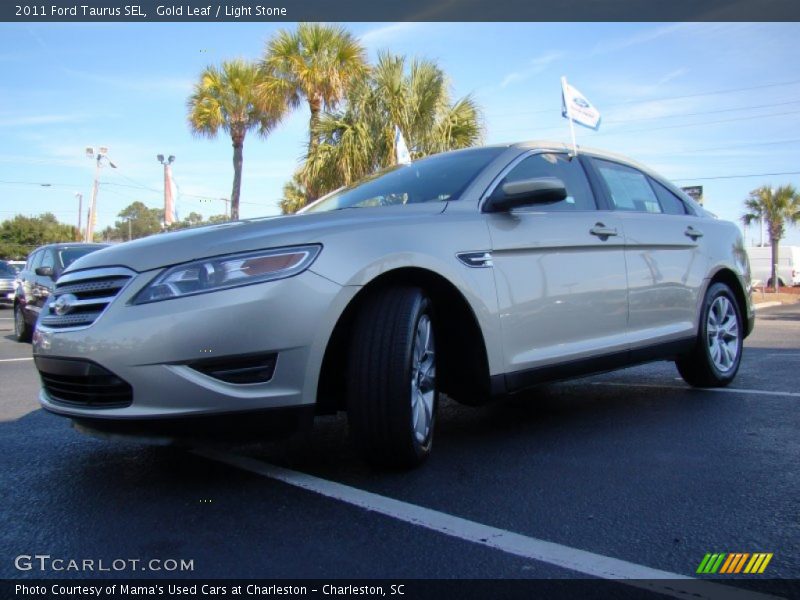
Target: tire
[[391, 378], [22, 331], [717, 353]]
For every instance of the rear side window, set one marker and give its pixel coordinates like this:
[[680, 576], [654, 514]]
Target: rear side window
[[579, 194], [670, 203], [628, 188]]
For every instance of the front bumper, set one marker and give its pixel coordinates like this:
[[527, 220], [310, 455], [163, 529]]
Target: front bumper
[[150, 347]]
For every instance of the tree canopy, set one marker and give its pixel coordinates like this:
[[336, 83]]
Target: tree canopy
[[359, 139], [777, 207], [20, 235], [234, 98]]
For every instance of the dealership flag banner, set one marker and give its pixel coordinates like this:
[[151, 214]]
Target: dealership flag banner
[[403, 155], [577, 109]]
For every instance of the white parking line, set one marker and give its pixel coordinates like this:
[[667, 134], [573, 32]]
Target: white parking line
[[687, 388], [581, 561], [15, 359]]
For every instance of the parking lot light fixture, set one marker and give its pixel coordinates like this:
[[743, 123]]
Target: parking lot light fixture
[[102, 154]]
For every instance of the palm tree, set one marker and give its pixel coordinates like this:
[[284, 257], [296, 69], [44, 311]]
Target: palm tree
[[776, 207], [360, 139], [316, 63], [294, 195], [234, 98]]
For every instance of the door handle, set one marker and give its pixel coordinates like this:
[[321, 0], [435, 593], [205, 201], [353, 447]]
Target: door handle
[[601, 231], [693, 233]]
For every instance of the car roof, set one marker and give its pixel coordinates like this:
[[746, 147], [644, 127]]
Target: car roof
[[73, 245], [542, 144]]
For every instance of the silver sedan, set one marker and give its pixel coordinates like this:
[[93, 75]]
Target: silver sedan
[[476, 273]]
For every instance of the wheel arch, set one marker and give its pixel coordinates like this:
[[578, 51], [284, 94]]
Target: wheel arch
[[729, 278], [462, 369]]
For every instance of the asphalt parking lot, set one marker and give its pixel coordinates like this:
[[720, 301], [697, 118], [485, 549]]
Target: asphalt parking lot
[[631, 467]]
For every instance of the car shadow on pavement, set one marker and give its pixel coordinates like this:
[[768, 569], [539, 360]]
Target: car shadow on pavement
[[782, 316], [532, 420]]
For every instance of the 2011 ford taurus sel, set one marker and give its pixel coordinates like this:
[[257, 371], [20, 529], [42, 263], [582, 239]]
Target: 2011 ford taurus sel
[[475, 273]]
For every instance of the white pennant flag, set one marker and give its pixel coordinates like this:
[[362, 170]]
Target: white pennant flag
[[576, 107], [402, 154]]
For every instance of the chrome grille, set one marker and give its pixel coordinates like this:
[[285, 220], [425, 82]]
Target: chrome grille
[[84, 296]]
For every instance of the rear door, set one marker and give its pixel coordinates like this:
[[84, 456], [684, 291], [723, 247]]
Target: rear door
[[560, 275], [666, 261]]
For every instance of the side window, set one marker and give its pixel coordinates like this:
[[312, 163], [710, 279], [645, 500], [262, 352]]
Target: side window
[[629, 188], [670, 203], [35, 260], [48, 260], [579, 194]]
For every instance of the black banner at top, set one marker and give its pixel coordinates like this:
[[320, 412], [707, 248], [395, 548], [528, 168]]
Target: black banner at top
[[141, 11]]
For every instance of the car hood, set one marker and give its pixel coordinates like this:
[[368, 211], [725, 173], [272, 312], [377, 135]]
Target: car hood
[[166, 249]]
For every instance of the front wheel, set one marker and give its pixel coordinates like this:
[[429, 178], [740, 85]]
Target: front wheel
[[715, 358], [391, 379], [22, 331]]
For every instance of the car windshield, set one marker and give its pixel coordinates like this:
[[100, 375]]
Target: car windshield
[[434, 179], [6, 270], [67, 256]]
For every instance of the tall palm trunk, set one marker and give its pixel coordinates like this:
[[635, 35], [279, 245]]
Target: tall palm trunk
[[238, 145], [315, 106], [775, 246]]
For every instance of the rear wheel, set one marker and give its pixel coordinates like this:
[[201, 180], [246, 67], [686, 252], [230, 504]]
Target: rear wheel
[[391, 378], [22, 331], [716, 356]]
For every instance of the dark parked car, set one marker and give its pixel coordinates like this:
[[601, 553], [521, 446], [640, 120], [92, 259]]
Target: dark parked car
[[36, 280], [7, 276]]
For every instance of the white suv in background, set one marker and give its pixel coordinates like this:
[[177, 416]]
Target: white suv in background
[[476, 273]]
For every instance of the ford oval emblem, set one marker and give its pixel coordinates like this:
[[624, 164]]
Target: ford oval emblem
[[64, 304], [581, 102]]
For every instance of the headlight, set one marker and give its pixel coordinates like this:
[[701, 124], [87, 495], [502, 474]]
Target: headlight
[[223, 272]]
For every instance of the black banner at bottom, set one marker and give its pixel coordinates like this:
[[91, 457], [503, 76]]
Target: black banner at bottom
[[412, 589]]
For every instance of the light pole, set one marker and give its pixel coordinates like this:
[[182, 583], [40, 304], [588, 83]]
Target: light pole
[[79, 196], [102, 153], [169, 205]]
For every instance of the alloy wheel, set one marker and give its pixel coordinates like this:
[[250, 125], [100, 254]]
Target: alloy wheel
[[722, 334], [423, 379]]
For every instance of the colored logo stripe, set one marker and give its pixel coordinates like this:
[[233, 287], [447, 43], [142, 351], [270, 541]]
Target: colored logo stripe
[[758, 563], [710, 563], [734, 562]]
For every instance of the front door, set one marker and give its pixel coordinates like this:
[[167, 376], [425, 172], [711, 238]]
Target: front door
[[560, 275]]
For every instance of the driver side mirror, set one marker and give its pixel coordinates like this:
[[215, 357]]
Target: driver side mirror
[[45, 272], [541, 190]]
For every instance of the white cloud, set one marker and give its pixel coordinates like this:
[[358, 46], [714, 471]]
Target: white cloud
[[387, 33], [636, 39], [535, 66], [136, 83], [8, 120]]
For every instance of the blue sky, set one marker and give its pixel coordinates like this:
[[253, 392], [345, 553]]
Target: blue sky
[[68, 86]]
